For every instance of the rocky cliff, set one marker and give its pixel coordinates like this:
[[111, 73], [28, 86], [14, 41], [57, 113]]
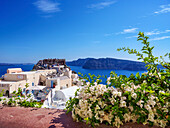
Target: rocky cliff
[[79, 62], [48, 63], [108, 63]]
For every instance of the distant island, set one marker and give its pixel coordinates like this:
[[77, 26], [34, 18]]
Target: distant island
[[108, 63]]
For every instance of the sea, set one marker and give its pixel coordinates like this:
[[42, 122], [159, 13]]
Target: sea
[[3, 68], [77, 69]]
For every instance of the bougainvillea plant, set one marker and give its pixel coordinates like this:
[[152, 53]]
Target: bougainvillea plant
[[139, 98]]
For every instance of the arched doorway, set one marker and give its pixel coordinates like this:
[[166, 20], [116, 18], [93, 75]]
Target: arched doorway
[[7, 93]]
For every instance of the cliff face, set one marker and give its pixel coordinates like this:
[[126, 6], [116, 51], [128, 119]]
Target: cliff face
[[108, 63], [79, 62]]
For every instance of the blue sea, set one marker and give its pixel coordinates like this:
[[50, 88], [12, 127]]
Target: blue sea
[[77, 69], [3, 69], [103, 72]]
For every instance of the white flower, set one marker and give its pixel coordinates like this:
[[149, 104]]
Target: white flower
[[140, 103], [131, 108], [119, 94], [123, 85], [151, 116], [147, 107], [108, 79], [97, 116], [101, 113], [136, 87], [112, 101], [107, 118], [88, 83], [74, 116], [144, 81], [151, 102], [122, 104], [134, 95], [127, 88], [151, 74], [163, 123], [108, 82], [97, 107], [134, 117], [161, 92], [165, 110], [127, 117], [115, 93], [123, 98], [152, 97], [117, 122]]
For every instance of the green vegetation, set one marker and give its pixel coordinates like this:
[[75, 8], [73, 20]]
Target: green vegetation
[[1, 94], [20, 100], [139, 98]]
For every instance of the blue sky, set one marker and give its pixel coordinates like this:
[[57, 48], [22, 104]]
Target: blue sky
[[36, 29]]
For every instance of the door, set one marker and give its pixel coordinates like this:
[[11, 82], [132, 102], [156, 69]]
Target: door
[[52, 84], [7, 93]]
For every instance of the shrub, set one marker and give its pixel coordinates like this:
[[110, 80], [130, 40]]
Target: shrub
[[21, 100], [138, 98]]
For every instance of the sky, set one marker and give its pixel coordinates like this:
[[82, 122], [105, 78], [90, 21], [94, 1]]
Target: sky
[[31, 30]]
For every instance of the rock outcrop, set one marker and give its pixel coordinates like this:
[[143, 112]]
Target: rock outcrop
[[48, 63]]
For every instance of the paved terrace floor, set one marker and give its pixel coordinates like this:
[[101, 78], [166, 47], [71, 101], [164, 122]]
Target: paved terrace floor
[[19, 117]]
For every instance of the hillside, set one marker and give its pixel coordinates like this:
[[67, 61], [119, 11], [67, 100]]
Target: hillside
[[108, 63], [79, 62]]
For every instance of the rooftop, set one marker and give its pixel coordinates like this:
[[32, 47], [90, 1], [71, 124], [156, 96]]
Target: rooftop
[[14, 69], [29, 72], [61, 78], [32, 72]]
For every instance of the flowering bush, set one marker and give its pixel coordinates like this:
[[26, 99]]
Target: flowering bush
[[142, 99], [20, 100]]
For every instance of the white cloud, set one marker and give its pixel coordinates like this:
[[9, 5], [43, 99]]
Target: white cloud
[[130, 30], [164, 9], [47, 6], [160, 38], [155, 32], [101, 5]]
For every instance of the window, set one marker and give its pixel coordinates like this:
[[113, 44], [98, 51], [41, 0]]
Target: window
[[20, 77], [4, 85]]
